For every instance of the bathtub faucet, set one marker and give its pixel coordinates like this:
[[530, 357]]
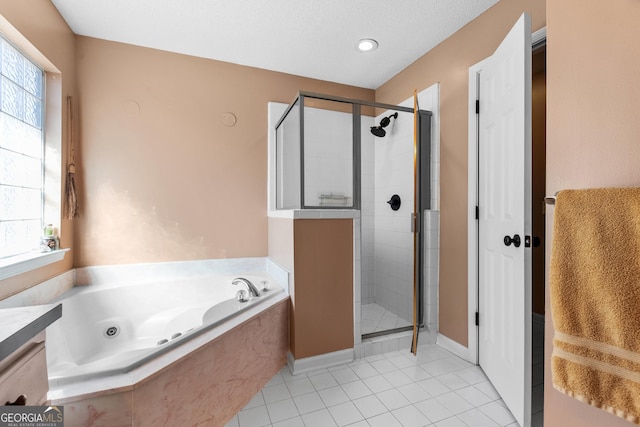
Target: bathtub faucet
[[252, 288]]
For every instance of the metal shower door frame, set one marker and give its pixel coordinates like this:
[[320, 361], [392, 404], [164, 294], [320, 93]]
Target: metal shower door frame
[[423, 153]]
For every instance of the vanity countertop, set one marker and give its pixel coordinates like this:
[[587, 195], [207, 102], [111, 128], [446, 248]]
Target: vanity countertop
[[18, 325]]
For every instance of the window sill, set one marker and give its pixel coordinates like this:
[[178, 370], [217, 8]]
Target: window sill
[[19, 264]]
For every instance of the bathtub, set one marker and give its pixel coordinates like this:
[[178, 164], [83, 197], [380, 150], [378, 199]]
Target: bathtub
[[113, 336]]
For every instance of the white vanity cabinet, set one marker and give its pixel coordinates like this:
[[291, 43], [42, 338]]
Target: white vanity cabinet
[[23, 363]]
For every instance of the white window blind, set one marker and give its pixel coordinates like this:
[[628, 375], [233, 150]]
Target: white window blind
[[21, 151]]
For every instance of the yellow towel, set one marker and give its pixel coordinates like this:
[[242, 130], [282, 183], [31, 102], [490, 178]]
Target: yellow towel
[[595, 298]]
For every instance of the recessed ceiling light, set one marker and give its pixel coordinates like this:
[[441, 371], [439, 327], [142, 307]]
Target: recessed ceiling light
[[367, 45]]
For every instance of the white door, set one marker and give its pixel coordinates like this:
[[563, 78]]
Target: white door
[[504, 200]]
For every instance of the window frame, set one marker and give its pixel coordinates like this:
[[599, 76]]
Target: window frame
[[25, 92], [54, 119]]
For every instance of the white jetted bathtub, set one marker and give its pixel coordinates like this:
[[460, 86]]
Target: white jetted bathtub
[[110, 330]]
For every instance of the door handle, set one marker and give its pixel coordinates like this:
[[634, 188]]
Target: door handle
[[515, 240]]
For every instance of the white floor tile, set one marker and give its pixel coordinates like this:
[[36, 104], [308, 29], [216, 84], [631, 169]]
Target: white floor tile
[[282, 410], [356, 389], [344, 375], [472, 374], [410, 416], [402, 361], [451, 422], [475, 418], [364, 370], [416, 373], [370, 406], [291, 422], [393, 399], [321, 418], [309, 402], [254, 417], [377, 384], [487, 388], [397, 378], [454, 403], [345, 414], [497, 413], [414, 393], [276, 393], [433, 410], [384, 420], [434, 388], [322, 381], [300, 386], [383, 366], [474, 396], [333, 396], [452, 381]]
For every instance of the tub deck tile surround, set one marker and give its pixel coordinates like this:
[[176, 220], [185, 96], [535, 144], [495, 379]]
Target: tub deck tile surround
[[206, 388]]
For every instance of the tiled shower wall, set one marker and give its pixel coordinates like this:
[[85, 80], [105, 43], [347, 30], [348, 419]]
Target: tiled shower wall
[[367, 213], [393, 265], [387, 241]]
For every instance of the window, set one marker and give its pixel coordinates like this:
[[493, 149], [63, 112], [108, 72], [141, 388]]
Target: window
[[21, 151]]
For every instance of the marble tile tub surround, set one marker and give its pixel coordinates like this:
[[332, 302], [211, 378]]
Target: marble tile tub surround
[[141, 273], [206, 389], [51, 289], [42, 293], [104, 277]]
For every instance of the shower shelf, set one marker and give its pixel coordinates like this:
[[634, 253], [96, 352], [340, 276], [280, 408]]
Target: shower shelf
[[334, 200]]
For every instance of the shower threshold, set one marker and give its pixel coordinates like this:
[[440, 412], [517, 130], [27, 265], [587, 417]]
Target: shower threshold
[[389, 332]]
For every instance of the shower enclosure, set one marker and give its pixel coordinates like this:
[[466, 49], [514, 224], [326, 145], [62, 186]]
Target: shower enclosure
[[339, 153]]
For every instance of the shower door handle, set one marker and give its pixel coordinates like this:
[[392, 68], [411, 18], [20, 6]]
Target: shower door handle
[[515, 240]]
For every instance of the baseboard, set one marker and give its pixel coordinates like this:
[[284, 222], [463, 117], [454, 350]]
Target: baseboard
[[454, 347], [321, 361]]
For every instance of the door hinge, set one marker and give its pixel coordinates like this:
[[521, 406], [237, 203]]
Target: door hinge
[[477, 106], [477, 319], [415, 222], [477, 212]]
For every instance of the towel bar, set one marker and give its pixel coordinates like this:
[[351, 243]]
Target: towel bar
[[550, 200]]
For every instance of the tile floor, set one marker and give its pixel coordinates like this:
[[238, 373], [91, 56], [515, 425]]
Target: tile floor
[[434, 388], [375, 318]]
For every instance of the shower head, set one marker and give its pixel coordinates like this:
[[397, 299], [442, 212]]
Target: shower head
[[379, 130]]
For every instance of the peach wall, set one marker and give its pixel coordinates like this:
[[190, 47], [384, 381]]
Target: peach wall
[[448, 63], [322, 302], [593, 131], [39, 30], [163, 178]]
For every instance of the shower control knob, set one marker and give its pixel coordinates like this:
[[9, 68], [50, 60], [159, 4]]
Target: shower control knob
[[394, 202], [515, 240]]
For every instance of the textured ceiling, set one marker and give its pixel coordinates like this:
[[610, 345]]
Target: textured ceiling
[[311, 38]]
